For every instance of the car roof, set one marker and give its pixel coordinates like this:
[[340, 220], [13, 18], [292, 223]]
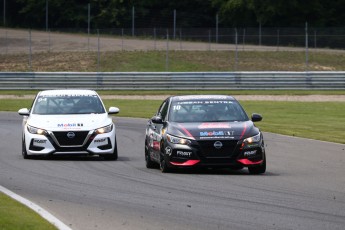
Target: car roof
[[202, 97], [67, 92]]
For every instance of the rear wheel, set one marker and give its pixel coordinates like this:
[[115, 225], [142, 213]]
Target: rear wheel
[[150, 164], [258, 169]]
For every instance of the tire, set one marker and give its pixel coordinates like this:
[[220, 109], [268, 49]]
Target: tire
[[150, 164], [258, 169], [114, 155], [24, 152], [163, 165]]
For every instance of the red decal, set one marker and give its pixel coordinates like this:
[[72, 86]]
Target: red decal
[[244, 130], [214, 126], [249, 162], [186, 131], [187, 163]]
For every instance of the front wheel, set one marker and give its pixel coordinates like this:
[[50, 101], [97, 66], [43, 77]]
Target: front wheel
[[114, 155], [24, 152], [163, 165], [258, 169]]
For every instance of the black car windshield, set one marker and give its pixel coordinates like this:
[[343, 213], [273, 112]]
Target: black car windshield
[[206, 111], [60, 104]]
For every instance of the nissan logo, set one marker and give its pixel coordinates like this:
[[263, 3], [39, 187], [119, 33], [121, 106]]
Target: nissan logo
[[218, 144], [70, 135]]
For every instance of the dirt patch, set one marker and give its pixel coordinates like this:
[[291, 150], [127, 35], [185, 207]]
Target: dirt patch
[[304, 98]]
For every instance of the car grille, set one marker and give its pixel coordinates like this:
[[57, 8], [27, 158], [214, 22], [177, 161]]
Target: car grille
[[77, 140], [208, 150]]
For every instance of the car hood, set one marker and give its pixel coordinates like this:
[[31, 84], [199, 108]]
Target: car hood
[[69, 122], [213, 130]]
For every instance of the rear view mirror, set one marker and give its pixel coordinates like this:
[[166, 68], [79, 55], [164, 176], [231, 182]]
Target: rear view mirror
[[24, 112], [157, 120], [113, 110], [256, 117]]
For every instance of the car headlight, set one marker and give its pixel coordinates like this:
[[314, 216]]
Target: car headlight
[[178, 140], [252, 140], [105, 129], [35, 130]]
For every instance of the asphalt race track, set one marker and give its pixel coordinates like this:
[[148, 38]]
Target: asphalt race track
[[304, 187]]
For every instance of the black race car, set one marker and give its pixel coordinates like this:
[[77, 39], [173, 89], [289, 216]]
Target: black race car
[[204, 131]]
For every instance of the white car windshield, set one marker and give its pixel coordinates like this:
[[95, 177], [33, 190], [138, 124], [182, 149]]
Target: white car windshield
[[81, 104], [206, 111]]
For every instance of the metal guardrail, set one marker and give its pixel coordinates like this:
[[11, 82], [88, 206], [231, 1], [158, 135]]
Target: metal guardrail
[[173, 80]]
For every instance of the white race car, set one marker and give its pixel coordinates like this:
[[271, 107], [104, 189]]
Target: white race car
[[68, 122]]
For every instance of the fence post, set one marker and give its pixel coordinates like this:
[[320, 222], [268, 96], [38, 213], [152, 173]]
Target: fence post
[[306, 47], [167, 53], [98, 52], [236, 52], [278, 40], [174, 24], [30, 51], [88, 26], [133, 21], [154, 38], [217, 28]]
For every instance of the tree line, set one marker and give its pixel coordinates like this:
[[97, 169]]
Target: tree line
[[162, 13]]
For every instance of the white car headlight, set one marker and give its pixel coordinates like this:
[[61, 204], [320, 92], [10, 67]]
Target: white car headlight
[[105, 129], [35, 130], [178, 140], [253, 140]]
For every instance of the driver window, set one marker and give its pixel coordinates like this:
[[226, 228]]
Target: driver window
[[163, 110]]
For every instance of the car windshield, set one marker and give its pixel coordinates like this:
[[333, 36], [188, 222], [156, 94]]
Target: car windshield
[[206, 111], [65, 104]]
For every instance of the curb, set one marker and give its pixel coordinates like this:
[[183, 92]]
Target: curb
[[42, 212]]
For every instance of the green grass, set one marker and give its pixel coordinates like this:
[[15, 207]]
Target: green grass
[[178, 61], [15, 216], [317, 120]]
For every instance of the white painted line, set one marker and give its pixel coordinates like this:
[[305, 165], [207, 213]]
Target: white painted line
[[45, 214]]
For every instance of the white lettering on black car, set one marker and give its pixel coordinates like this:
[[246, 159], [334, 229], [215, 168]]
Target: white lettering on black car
[[183, 154], [249, 153]]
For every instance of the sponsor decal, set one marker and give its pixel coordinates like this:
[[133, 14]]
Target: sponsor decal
[[183, 154], [67, 125], [249, 153], [100, 140], [212, 134], [40, 141], [213, 125], [229, 133], [168, 150]]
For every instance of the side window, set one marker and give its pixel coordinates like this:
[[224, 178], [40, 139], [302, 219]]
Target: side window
[[163, 110]]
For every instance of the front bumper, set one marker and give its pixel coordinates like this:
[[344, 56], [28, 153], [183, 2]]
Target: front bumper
[[84, 142], [204, 154]]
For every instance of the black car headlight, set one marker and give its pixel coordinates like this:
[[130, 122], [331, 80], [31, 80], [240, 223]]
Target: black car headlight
[[252, 141], [35, 130], [105, 129], [178, 140]]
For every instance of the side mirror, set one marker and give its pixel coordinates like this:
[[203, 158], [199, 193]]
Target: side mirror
[[157, 120], [113, 110], [256, 117], [24, 112]]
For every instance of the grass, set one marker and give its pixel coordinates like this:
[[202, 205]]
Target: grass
[[15, 216], [178, 61], [316, 120]]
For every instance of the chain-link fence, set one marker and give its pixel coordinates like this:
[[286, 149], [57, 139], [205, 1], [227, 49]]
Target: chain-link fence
[[236, 40]]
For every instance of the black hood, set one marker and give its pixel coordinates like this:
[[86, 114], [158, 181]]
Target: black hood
[[213, 130]]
